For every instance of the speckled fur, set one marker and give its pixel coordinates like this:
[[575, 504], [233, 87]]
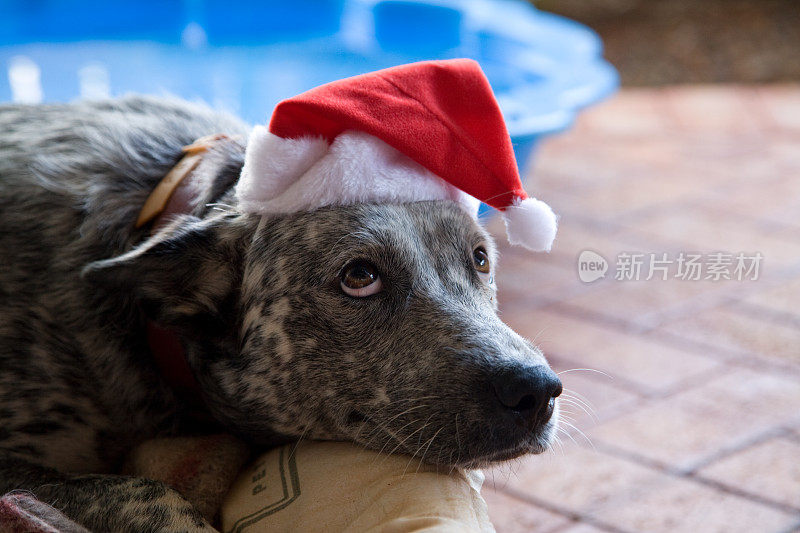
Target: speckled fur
[[279, 350]]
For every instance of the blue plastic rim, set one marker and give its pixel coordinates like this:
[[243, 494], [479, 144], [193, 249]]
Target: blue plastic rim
[[244, 57]]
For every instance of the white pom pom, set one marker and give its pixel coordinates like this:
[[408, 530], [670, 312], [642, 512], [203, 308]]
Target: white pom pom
[[532, 224]]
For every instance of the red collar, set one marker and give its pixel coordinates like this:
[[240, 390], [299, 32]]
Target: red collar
[[170, 358], [175, 194]]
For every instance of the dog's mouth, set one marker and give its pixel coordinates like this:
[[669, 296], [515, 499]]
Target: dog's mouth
[[504, 455], [478, 450], [536, 443], [535, 437]]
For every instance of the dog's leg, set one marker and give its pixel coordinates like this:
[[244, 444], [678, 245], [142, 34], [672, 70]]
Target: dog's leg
[[104, 502]]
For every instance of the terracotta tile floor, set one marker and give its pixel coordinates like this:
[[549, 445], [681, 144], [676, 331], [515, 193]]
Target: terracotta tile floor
[[694, 386]]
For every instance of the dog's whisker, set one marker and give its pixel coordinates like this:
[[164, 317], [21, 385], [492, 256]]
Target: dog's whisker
[[458, 437], [419, 447], [577, 398], [609, 376], [382, 426], [538, 334], [583, 406], [422, 460], [581, 433], [580, 406], [557, 440], [296, 444], [402, 442], [569, 435], [583, 401]]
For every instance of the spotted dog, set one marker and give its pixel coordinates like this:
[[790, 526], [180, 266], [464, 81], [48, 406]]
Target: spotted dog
[[374, 324]]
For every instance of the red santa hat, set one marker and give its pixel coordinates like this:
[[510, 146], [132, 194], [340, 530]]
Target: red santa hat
[[424, 131]]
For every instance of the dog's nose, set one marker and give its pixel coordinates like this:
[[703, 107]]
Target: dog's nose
[[528, 390]]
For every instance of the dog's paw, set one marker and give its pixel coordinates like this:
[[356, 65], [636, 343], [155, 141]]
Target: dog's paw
[[134, 505], [168, 512]]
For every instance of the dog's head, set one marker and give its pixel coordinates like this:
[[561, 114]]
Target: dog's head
[[370, 323]]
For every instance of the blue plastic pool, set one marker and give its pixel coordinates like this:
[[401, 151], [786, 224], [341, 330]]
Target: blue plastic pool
[[246, 56]]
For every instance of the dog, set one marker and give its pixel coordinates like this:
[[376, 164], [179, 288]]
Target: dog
[[375, 324]]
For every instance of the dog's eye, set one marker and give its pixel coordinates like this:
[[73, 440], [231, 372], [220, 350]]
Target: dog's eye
[[481, 260], [360, 279]]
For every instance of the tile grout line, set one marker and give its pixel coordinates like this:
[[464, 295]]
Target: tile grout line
[[685, 474], [724, 355], [736, 358], [722, 487], [575, 516], [760, 438], [641, 402], [793, 528], [645, 397], [733, 294], [755, 311]]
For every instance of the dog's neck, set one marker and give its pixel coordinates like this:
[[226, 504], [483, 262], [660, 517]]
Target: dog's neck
[[179, 192]]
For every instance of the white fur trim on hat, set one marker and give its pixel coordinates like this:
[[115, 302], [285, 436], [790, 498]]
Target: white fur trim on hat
[[531, 223], [288, 175], [272, 163]]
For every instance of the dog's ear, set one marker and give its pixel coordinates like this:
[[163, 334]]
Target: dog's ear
[[185, 271]]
